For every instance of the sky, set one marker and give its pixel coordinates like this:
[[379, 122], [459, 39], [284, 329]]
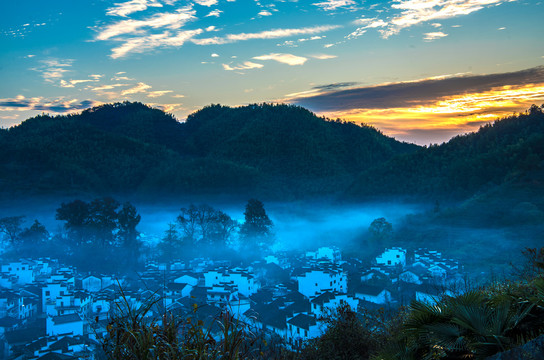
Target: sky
[[421, 71]]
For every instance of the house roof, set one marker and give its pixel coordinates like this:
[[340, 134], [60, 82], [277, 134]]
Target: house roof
[[369, 290], [65, 319], [323, 298], [303, 321], [175, 286], [56, 356]]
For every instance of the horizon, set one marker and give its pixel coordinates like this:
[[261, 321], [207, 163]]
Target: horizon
[[417, 70]]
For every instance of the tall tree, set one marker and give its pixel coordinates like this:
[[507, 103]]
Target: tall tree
[[11, 227], [76, 217], [170, 244], [257, 227], [127, 220], [103, 219], [35, 234]]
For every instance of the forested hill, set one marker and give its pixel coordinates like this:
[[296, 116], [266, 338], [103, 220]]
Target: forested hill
[[270, 150], [507, 154]]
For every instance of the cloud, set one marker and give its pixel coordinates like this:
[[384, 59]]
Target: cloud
[[52, 70], [413, 12], [60, 105], [268, 34], [247, 65], [214, 55], [447, 105], [288, 59], [335, 86], [366, 24], [207, 3], [215, 13], [434, 35], [323, 56], [129, 7], [171, 21], [418, 92], [330, 5], [140, 88], [178, 96], [264, 13], [159, 30], [108, 87], [73, 83], [154, 94], [151, 42]]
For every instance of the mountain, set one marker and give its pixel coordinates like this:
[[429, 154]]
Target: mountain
[[129, 148], [507, 153]]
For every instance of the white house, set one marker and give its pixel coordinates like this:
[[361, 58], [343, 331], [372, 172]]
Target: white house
[[22, 271], [91, 283], [302, 327], [374, 294], [174, 291], [327, 302], [241, 279], [392, 257], [312, 282], [64, 325], [191, 279]]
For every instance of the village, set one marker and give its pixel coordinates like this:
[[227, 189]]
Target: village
[[50, 311]]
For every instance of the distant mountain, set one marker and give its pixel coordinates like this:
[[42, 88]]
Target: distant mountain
[[270, 150], [508, 153]]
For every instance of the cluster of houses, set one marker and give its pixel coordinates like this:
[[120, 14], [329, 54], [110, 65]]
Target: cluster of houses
[[50, 311]]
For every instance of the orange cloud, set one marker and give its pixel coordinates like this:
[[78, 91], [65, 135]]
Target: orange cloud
[[446, 116]]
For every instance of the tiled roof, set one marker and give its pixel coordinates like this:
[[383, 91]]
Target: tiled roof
[[303, 321]]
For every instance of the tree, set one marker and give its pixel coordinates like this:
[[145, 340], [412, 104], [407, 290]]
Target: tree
[[170, 243], [35, 234], [11, 227], [257, 227], [380, 230], [76, 216], [127, 220], [103, 219], [188, 221]]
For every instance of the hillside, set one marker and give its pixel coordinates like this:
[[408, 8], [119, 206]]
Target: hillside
[[128, 148], [507, 153]]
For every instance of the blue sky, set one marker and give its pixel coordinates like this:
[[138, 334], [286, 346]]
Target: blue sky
[[419, 70]]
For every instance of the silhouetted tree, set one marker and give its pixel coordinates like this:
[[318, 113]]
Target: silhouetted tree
[[257, 227], [380, 231], [76, 217], [103, 219], [11, 227], [127, 220], [35, 234], [171, 243]]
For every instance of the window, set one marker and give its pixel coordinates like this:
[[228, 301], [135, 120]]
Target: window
[[315, 284], [298, 331], [306, 333], [388, 262], [398, 256], [330, 284], [47, 293]]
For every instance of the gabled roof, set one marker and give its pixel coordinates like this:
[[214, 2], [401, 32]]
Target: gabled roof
[[56, 356], [175, 286], [370, 290], [303, 321], [323, 298], [65, 319]]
